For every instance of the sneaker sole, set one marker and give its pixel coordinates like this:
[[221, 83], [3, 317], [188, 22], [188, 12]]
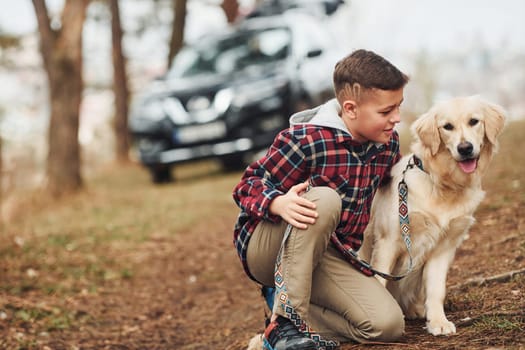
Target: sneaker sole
[[267, 346]]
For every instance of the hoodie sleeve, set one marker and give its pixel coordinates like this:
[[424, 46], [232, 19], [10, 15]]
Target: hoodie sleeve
[[282, 167]]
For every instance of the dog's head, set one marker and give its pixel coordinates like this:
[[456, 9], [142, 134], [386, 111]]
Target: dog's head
[[467, 127]]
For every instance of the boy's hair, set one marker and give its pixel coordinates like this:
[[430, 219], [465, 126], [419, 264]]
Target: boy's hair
[[362, 71]]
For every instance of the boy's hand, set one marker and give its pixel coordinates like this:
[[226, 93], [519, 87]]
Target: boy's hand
[[294, 209]]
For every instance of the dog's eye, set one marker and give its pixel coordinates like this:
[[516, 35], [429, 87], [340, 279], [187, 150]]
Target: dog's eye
[[473, 121], [448, 127]]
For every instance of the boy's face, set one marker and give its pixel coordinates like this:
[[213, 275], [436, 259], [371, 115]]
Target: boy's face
[[373, 118]]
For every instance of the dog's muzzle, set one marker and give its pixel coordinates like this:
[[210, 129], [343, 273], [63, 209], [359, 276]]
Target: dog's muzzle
[[465, 150]]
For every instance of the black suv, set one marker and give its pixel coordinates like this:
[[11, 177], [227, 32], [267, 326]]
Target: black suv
[[228, 95]]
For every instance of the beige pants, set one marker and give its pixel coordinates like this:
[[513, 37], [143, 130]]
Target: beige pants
[[335, 299]]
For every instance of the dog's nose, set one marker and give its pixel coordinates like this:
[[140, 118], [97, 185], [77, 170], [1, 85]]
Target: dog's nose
[[465, 148]]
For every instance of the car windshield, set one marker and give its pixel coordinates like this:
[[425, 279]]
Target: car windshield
[[232, 53]]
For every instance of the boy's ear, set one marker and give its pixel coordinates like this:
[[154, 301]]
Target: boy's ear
[[349, 108]]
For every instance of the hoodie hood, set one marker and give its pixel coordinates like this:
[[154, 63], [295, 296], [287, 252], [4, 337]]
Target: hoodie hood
[[326, 115]]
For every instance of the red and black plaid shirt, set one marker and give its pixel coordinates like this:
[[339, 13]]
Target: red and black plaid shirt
[[325, 157]]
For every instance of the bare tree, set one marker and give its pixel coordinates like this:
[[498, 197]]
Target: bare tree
[[1, 175], [177, 28], [61, 50], [6, 41], [231, 10], [120, 86]]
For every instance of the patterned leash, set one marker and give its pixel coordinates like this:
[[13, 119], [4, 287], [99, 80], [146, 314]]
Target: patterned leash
[[404, 224], [280, 295], [404, 221]]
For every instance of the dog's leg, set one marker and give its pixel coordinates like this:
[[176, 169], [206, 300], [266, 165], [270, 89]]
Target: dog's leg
[[384, 256], [414, 290], [256, 343], [434, 276]]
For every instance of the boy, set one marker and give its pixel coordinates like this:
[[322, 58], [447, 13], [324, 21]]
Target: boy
[[308, 200]]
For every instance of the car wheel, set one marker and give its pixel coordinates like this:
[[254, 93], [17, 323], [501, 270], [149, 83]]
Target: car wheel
[[233, 162], [161, 174]]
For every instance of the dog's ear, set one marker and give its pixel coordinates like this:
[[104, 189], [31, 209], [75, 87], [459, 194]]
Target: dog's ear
[[425, 128], [495, 117]]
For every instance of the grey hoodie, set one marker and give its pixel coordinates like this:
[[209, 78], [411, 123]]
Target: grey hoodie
[[326, 115]]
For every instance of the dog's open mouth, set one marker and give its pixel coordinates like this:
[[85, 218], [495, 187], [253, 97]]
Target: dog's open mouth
[[468, 165]]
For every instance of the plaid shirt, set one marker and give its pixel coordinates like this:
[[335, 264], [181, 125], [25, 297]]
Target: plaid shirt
[[325, 157]]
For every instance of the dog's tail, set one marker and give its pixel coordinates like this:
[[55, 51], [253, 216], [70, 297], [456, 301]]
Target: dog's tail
[[256, 343]]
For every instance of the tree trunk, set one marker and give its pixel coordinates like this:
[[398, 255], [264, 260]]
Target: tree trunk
[[231, 10], [1, 181], [62, 55], [120, 86], [177, 32]]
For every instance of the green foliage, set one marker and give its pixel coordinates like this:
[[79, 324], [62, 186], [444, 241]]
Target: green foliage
[[502, 323], [47, 319]]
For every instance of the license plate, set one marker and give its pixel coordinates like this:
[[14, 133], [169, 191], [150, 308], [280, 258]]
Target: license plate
[[203, 132]]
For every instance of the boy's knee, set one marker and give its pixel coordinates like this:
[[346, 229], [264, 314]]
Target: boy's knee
[[327, 200], [388, 327], [391, 327]]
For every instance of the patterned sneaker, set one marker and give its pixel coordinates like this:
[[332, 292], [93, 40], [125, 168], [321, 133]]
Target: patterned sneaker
[[281, 334]]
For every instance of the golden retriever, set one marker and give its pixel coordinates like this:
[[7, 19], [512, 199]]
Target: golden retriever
[[455, 141]]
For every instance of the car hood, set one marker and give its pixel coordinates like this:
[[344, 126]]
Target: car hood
[[204, 84]]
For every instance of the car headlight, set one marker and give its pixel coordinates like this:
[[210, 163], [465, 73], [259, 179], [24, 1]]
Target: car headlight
[[152, 110], [223, 100]]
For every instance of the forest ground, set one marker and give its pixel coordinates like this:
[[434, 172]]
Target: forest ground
[[129, 265]]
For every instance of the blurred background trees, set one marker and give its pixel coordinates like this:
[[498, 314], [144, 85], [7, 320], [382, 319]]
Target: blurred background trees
[[177, 32], [61, 48], [120, 86], [87, 120]]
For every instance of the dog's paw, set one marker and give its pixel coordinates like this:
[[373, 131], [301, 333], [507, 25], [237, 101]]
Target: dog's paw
[[415, 312], [441, 327], [256, 343]]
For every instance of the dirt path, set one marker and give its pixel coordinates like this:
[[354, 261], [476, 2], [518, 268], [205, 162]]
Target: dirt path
[[202, 300], [188, 292]]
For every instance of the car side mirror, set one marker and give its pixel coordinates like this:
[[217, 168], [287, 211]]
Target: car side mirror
[[314, 53]]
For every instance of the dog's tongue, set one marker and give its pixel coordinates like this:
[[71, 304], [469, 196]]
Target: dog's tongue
[[468, 166]]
